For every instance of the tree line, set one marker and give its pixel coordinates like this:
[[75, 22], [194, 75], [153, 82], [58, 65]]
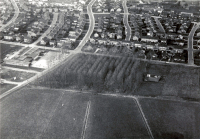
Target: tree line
[[99, 73]]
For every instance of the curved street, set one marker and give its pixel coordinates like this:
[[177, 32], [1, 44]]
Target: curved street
[[127, 27], [14, 17], [91, 27], [190, 44], [55, 17]]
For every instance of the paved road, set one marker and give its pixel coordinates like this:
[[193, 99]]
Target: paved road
[[18, 69], [55, 17], [10, 82], [127, 27], [159, 24], [32, 45], [14, 17], [91, 27], [190, 44]]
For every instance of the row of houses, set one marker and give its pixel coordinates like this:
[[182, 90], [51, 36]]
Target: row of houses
[[66, 31], [23, 31], [143, 45], [7, 11]]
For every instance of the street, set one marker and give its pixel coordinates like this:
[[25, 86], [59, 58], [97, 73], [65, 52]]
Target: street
[[127, 27], [190, 44], [91, 27], [159, 24], [55, 17], [14, 17]]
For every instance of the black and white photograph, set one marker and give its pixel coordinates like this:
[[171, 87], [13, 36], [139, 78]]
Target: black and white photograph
[[100, 69]]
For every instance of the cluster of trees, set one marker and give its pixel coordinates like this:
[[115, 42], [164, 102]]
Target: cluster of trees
[[100, 73]]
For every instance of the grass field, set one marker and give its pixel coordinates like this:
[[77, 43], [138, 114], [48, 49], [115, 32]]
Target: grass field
[[48, 113], [16, 76], [179, 81], [183, 81], [5, 87], [169, 119], [6, 49], [31, 113], [115, 118]]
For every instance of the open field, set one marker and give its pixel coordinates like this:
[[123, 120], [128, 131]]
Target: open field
[[172, 119], [31, 113], [115, 118], [49, 113], [179, 81], [5, 87], [183, 81], [16, 76], [6, 49]]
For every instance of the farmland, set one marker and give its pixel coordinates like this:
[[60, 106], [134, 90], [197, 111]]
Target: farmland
[[182, 82], [49, 113], [115, 117], [172, 119], [99, 73], [178, 81], [32, 113]]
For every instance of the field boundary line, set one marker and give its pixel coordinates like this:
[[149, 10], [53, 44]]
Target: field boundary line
[[112, 95], [143, 117], [85, 120]]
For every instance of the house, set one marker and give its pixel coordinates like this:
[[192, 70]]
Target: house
[[18, 38], [27, 39], [44, 41], [149, 39], [9, 37], [52, 42], [96, 35], [152, 78], [164, 41]]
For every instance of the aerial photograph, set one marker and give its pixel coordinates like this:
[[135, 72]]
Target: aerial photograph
[[100, 69]]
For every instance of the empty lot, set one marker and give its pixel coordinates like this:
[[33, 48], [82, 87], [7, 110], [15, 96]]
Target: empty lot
[[169, 119], [116, 118]]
